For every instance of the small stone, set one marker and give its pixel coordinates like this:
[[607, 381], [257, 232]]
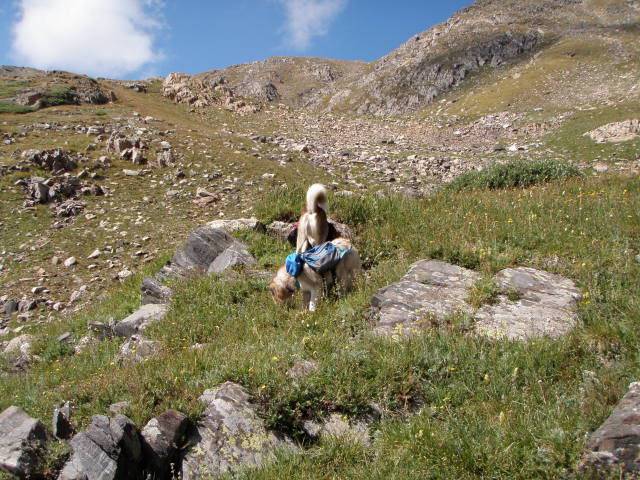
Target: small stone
[[94, 254], [38, 290], [55, 260], [124, 274], [69, 262]]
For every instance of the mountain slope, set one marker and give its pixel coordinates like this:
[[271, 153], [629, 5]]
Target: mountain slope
[[489, 35]]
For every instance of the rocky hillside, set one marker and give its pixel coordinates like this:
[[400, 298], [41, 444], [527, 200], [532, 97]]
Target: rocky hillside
[[493, 334], [486, 36], [24, 89]]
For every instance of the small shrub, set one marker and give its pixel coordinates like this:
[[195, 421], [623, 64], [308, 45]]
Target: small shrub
[[59, 95], [484, 292], [515, 174]]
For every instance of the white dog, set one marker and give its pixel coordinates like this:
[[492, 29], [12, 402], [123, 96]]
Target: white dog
[[312, 284]]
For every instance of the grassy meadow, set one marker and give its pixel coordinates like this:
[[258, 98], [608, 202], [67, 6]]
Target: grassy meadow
[[444, 404]]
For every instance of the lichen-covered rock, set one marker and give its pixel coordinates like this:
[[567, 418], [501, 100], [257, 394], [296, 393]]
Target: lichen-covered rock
[[431, 291], [616, 444], [547, 306], [109, 449], [230, 435], [22, 442], [154, 292]]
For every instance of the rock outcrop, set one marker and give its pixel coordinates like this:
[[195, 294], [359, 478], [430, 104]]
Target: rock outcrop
[[22, 443], [616, 132], [531, 303], [229, 437], [108, 449], [207, 250], [615, 446]]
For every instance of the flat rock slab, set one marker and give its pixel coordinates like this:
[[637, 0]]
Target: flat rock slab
[[616, 444], [230, 435], [430, 292], [22, 442], [137, 349], [546, 304], [139, 320]]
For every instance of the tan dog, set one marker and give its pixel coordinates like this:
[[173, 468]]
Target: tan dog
[[312, 284], [313, 227]]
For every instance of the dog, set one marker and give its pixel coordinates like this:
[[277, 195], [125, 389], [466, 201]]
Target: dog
[[312, 284], [313, 227]]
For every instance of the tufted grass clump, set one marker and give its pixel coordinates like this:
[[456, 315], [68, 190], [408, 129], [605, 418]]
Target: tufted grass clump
[[515, 174]]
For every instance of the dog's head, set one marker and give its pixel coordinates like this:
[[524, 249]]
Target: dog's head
[[282, 287]]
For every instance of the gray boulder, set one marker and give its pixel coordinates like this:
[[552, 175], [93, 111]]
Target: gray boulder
[[431, 291], [229, 437], [22, 442], [110, 448], [233, 256], [139, 320], [615, 445], [547, 306], [202, 247], [162, 438]]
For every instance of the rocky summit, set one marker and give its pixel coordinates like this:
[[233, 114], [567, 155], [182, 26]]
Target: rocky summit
[[487, 170]]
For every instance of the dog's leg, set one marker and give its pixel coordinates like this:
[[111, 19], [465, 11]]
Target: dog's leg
[[313, 300], [306, 299]]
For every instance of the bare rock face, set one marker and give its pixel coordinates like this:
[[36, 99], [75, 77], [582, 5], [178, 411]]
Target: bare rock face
[[162, 437], [109, 449], [616, 132], [230, 435], [139, 320], [22, 442], [615, 445], [431, 291], [545, 304]]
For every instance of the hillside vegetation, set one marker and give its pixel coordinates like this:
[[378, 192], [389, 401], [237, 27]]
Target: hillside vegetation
[[478, 142]]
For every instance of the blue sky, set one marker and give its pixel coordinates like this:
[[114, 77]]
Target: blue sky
[[138, 38]]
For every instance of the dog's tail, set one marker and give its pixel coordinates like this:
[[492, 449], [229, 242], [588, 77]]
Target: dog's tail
[[317, 199]]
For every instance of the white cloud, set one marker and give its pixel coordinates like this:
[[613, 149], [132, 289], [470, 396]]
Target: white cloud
[[307, 19], [98, 37]]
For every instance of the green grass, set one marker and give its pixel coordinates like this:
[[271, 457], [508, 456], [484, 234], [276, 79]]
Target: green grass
[[6, 107], [515, 174], [454, 405]]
